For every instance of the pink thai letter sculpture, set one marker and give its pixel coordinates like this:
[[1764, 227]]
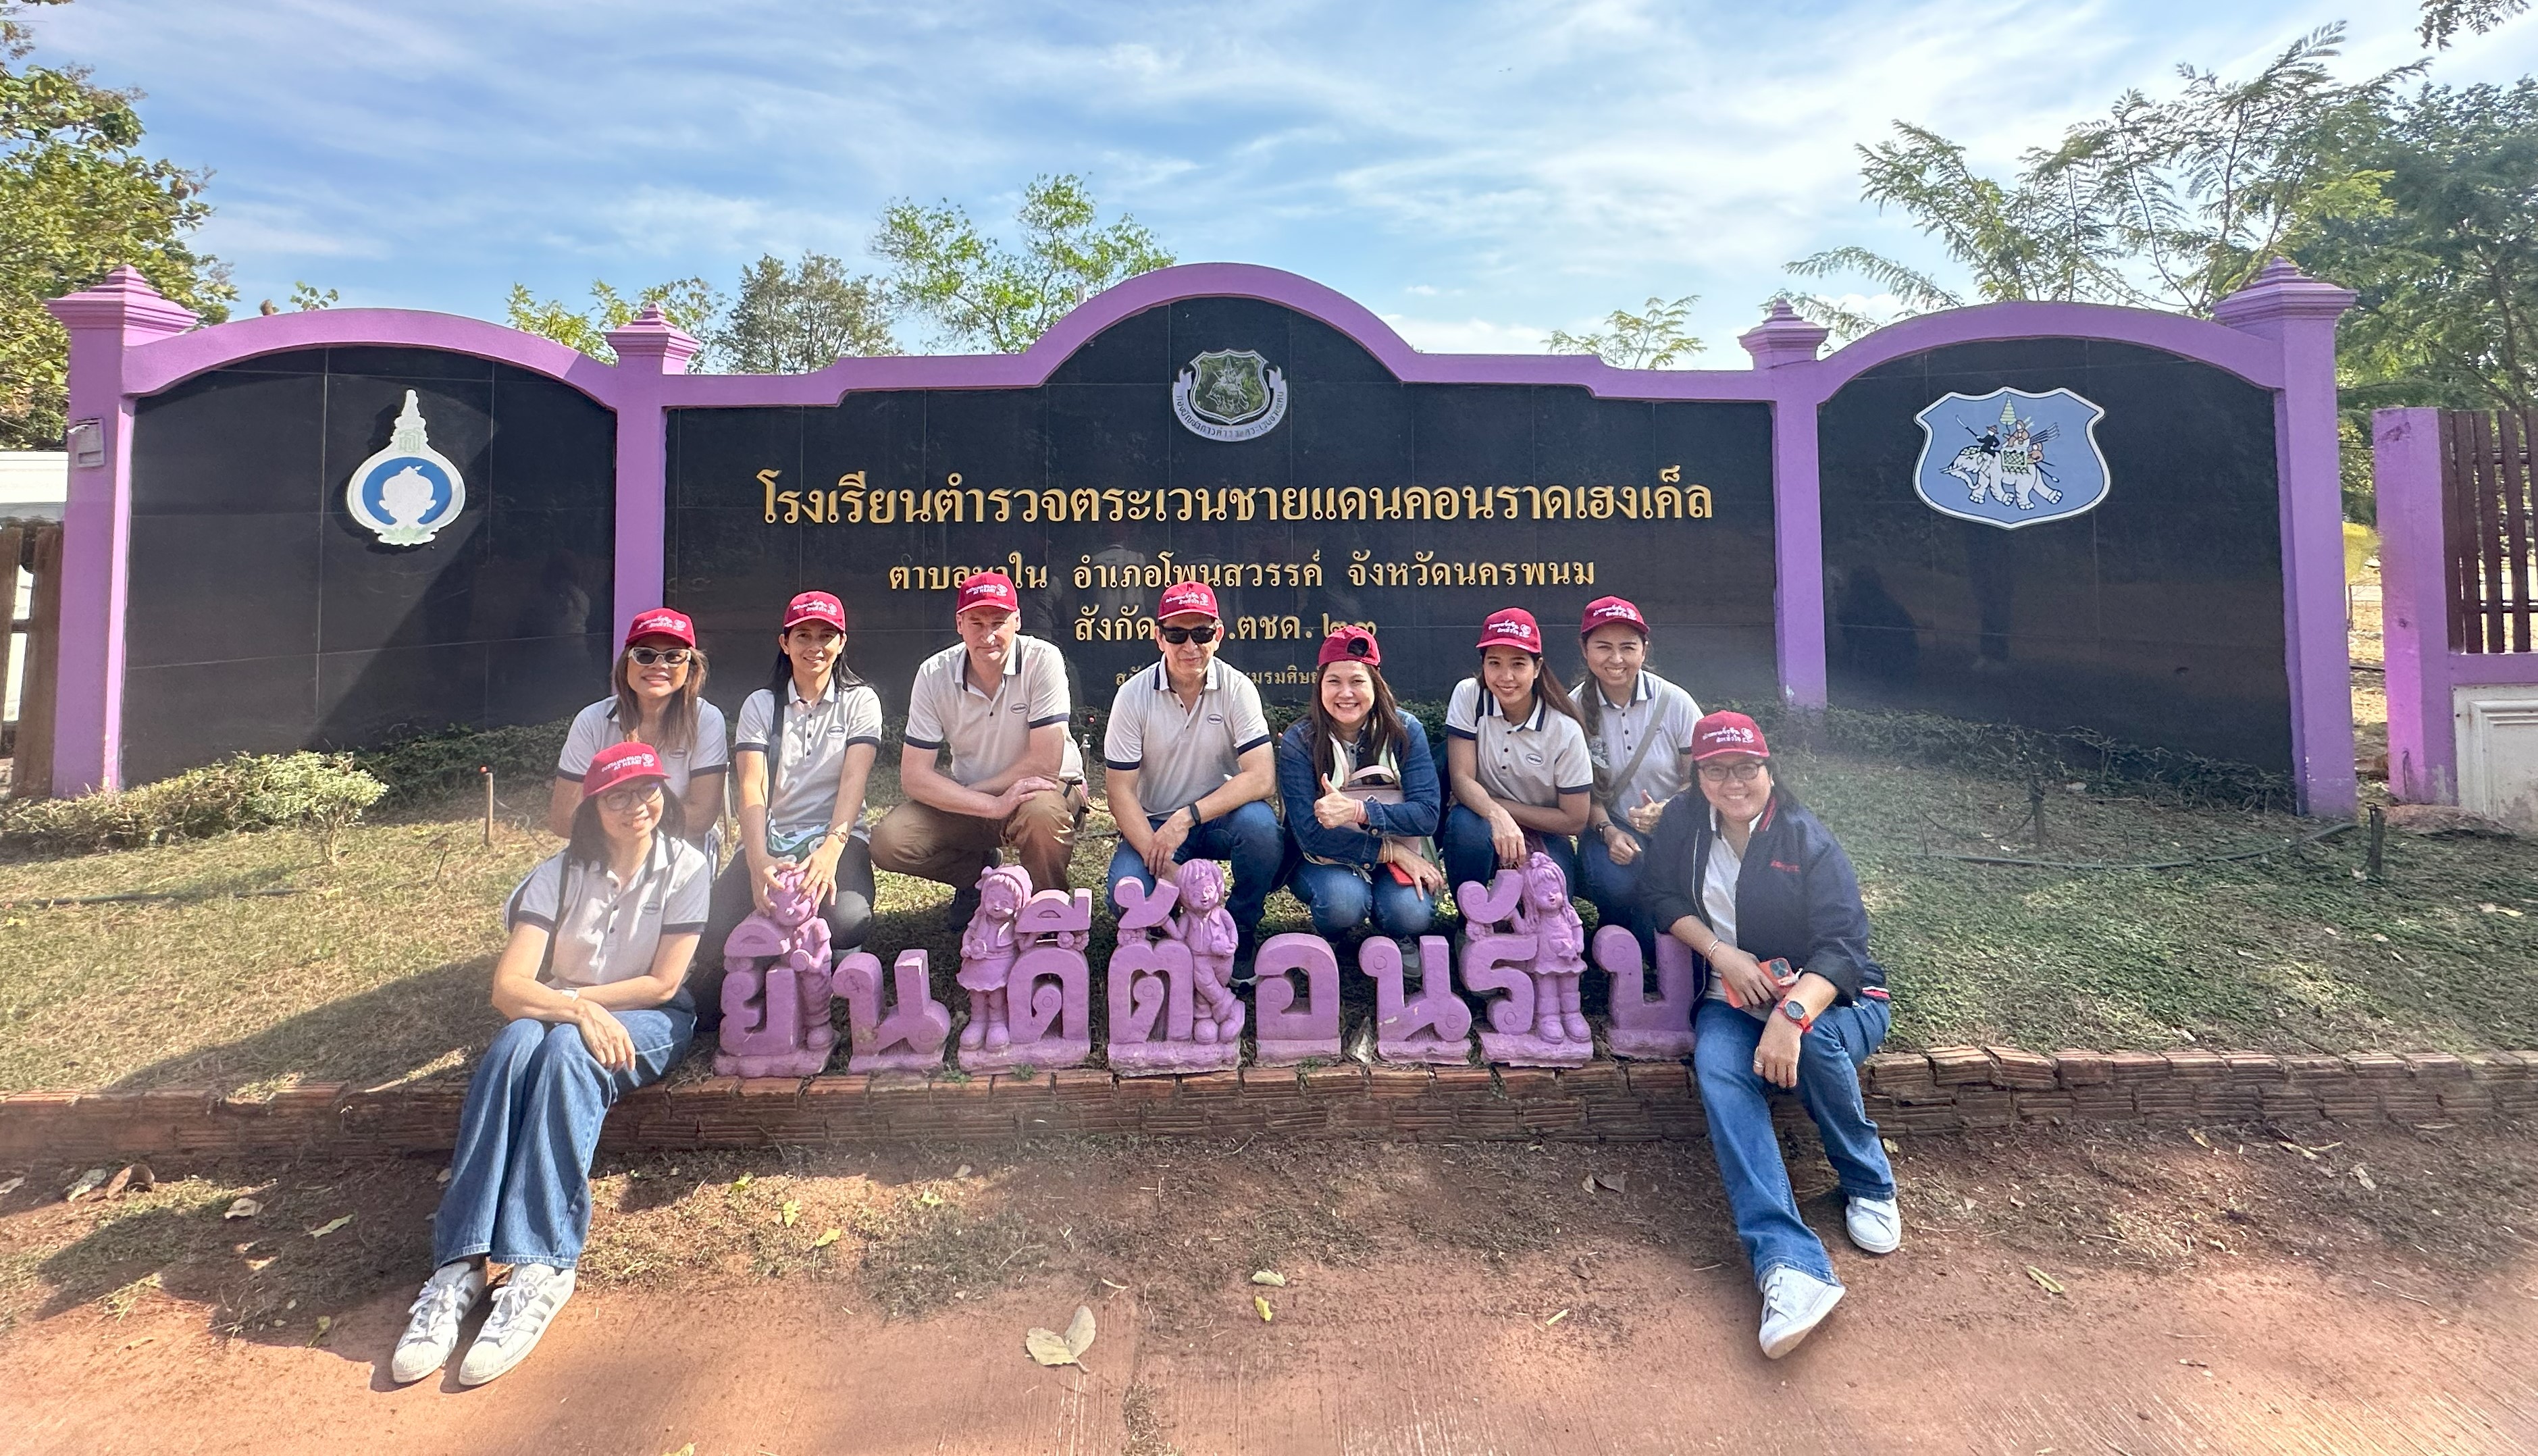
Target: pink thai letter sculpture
[[911, 1038], [775, 988], [1652, 1030], [1524, 941], [1155, 1016], [1436, 1027], [1287, 1035], [1040, 1014]]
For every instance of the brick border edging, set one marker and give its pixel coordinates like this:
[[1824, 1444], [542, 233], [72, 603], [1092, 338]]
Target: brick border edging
[[1946, 1090]]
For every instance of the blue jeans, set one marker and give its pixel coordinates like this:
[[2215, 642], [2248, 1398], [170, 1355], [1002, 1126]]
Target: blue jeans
[[1250, 836], [520, 1181], [1468, 855], [1739, 1108], [1614, 890], [1342, 897]]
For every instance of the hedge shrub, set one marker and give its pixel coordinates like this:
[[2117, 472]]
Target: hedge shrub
[[324, 791]]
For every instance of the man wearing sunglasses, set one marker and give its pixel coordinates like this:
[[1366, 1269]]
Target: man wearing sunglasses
[[1191, 767]]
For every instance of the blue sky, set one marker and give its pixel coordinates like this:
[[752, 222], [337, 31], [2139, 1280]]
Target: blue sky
[[1478, 174]]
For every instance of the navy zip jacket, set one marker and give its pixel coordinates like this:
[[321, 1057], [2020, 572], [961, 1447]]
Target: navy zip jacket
[[1300, 783], [1797, 896]]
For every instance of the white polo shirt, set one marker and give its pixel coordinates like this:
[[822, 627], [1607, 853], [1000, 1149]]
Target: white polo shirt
[[1534, 762], [595, 728], [1657, 707], [802, 794], [988, 733], [1180, 754], [605, 931]]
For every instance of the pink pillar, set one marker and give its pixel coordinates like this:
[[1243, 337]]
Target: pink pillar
[[647, 349], [1784, 341], [2414, 608], [117, 314], [2298, 313]]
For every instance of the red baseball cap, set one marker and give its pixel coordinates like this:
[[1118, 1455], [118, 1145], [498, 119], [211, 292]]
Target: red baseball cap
[[1187, 599], [988, 589], [1604, 611], [814, 606], [1512, 626], [661, 621], [620, 764], [1721, 733], [1350, 645]]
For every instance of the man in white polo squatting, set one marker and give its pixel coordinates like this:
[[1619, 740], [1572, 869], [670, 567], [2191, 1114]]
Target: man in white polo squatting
[[998, 702], [1191, 767]]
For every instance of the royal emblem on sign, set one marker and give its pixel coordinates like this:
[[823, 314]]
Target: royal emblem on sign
[[1230, 394], [406, 492], [2010, 458]]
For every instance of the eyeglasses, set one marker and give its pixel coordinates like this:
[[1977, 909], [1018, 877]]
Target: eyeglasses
[[1180, 634], [650, 656], [1745, 772], [633, 796]]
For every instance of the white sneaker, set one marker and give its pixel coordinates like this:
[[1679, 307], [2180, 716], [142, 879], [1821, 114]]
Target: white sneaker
[[522, 1308], [1876, 1225], [1795, 1303], [432, 1333]]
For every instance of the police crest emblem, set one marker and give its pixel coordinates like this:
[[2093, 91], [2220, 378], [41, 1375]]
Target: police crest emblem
[[405, 493], [1230, 394], [2011, 458]]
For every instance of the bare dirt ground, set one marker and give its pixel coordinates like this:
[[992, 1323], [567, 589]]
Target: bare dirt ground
[[2080, 1291]]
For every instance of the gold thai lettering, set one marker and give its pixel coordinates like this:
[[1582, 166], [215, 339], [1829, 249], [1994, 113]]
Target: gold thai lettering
[[767, 479], [955, 503]]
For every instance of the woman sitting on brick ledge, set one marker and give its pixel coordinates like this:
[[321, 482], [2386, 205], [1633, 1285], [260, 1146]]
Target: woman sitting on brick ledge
[[1744, 875], [593, 978]]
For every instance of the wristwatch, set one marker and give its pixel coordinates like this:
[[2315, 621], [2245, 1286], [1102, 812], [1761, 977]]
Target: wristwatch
[[1790, 1008], [1195, 821]]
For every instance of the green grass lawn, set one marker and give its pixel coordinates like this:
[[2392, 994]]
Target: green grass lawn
[[375, 969]]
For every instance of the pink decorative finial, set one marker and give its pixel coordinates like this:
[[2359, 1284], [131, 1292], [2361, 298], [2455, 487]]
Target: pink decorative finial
[[1783, 337]]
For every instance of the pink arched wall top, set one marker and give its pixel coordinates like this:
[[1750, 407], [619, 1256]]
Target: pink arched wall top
[[156, 365]]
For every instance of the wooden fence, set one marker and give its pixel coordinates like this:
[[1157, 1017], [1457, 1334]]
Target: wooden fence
[[31, 550], [2491, 524]]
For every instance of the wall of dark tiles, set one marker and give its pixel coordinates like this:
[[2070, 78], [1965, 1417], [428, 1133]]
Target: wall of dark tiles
[[2156, 617], [1105, 421], [262, 617]]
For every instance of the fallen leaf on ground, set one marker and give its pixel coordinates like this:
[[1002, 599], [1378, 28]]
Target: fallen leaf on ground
[[1079, 1330], [2196, 1133], [325, 1322], [690, 1449], [1589, 1183], [930, 1199], [1890, 1145], [2362, 1176], [86, 1184], [137, 1344], [261, 1263], [121, 1180], [329, 1226], [244, 1207], [1262, 1304], [1270, 1278], [12, 1186], [791, 1211], [827, 1238], [1555, 1319], [962, 1172], [2302, 1152], [444, 1176], [2044, 1280], [1618, 1182]]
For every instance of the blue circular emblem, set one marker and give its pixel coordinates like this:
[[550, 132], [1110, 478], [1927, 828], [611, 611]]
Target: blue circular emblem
[[406, 492]]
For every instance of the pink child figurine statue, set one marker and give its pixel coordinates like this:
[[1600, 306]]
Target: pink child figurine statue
[[1560, 951], [1207, 928], [988, 949], [777, 987]]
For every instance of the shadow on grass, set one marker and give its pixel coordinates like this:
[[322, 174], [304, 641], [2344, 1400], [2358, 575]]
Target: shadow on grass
[[432, 1023]]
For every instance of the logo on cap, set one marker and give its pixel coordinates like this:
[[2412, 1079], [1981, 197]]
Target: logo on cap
[[987, 589], [1512, 628], [1183, 598], [816, 606], [662, 621]]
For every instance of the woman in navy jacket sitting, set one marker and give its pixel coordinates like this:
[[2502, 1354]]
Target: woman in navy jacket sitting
[[1744, 875], [1362, 799]]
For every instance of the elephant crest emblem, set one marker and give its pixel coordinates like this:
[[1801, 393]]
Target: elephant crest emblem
[[2010, 458], [1230, 394]]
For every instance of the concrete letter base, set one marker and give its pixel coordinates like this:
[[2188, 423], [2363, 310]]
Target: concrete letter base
[[1436, 1027], [1650, 1031], [911, 1038], [1289, 1034]]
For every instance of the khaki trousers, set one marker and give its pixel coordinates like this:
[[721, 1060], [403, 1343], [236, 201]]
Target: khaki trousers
[[936, 844]]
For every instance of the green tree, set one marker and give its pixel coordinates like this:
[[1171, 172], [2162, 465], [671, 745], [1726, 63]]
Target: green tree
[[77, 200], [1650, 340], [2443, 19], [691, 303], [2163, 204], [791, 321], [985, 295]]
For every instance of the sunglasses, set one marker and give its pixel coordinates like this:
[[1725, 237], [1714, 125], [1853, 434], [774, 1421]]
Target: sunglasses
[[631, 797], [1180, 634], [652, 656], [1723, 772]]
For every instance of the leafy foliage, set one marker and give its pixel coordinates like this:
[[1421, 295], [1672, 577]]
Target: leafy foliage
[[306, 296], [791, 321], [77, 200], [985, 295], [434, 765], [1652, 340], [2444, 19], [690, 304], [324, 791]]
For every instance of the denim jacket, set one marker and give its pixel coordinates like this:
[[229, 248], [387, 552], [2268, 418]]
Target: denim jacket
[[1300, 783], [1797, 896]]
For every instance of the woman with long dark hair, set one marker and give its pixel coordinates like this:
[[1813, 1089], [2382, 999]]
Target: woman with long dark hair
[[1764, 895], [1362, 799], [593, 978], [1515, 757], [658, 697]]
